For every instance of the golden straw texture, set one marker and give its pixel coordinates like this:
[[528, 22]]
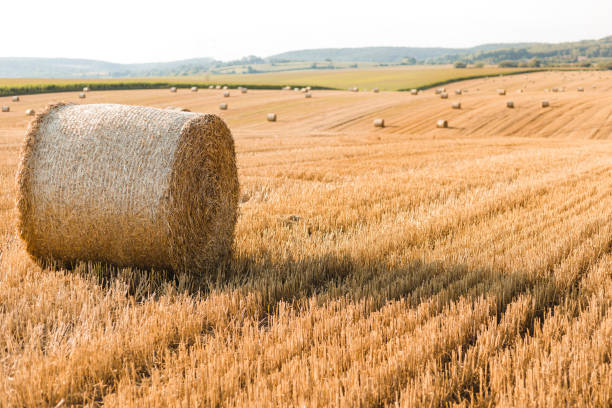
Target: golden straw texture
[[127, 185]]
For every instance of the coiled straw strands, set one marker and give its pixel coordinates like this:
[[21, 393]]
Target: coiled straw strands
[[129, 186]]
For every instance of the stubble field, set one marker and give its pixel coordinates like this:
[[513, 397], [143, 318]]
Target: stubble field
[[402, 266]]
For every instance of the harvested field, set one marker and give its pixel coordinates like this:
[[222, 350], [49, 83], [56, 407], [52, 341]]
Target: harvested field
[[407, 265]]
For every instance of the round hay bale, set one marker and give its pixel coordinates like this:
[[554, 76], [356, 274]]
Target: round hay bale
[[308, 88], [271, 117], [129, 186], [510, 104], [555, 89], [226, 94], [86, 89], [6, 108], [379, 123], [442, 123], [458, 92], [194, 89], [501, 91], [286, 88], [444, 95], [224, 87], [581, 89], [30, 112], [438, 91], [243, 90], [375, 90], [545, 104], [307, 95], [414, 91], [456, 105], [173, 89], [15, 99], [82, 95], [296, 89], [218, 87], [223, 106]]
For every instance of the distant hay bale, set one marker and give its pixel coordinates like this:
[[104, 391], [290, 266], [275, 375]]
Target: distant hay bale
[[82, 95], [194, 89], [15, 99], [243, 90], [444, 95], [286, 88], [555, 89], [414, 91], [218, 87], [456, 105], [458, 91], [177, 109], [129, 186], [308, 95], [223, 106], [30, 112], [224, 86], [303, 90], [354, 89], [501, 91], [6, 108], [296, 89], [375, 90], [271, 117], [581, 89], [379, 123], [86, 89], [438, 91], [173, 89], [442, 123], [308, 88], [211, 86], [510, 104], [545, 104], [226, 94]]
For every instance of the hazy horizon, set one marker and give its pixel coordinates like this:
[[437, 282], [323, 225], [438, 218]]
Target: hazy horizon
[[227, 31]]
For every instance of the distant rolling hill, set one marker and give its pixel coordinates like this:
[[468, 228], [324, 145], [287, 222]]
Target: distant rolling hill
[[84, 68]]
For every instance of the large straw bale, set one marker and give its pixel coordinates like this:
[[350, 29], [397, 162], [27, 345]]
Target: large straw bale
[[129, 186]]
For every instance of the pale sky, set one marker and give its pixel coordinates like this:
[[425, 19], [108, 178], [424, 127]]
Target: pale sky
[[129, 31]]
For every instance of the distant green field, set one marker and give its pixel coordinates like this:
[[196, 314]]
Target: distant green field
[[385, 78]]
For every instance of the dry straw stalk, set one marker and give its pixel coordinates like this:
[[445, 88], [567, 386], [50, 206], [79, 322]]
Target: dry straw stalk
[[127, 185]]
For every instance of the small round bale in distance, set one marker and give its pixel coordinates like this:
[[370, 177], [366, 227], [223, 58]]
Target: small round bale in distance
[[271, 117], [456, 105], [580, 89], [510, 104], [15, 99], [223, 106], [501, 91], [127, 185], [6, 109], [173, 89], [375, 90], [194, 89], [308, 95], [30, 112], [379, 123], [458, 92], [86, 89], [211, 86], [442, 123], [226, 94], [444, 95], [82, 95], [414, 91], [243, 90], [545, 104]]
